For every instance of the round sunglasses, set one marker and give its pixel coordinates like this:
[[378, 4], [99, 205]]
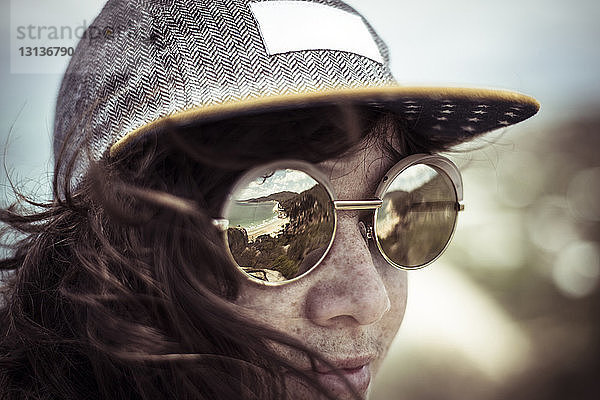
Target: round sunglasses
[[279, 220]]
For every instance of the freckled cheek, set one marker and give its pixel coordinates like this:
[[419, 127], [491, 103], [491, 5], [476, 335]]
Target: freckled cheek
[[277, 307], [396, 285], [395, 281]]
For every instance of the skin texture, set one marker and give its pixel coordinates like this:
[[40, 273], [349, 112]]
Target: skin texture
[[350, 307]]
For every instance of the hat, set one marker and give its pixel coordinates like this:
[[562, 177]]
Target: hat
[[144, 63]]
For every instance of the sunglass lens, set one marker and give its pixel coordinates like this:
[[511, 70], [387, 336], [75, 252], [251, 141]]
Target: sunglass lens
[[417, 217], [280, 224]]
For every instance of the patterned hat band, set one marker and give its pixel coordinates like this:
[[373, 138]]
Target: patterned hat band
[[193, 61]]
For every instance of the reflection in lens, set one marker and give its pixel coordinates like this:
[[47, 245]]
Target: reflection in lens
[[280, 225], [417, 217]]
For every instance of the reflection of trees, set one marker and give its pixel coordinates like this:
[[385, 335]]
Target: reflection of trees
[[310, 225], [424, 220]]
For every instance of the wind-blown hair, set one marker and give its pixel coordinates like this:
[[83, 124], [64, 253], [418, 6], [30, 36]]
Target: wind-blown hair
[[121, 289]]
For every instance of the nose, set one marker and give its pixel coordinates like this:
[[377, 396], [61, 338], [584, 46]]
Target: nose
[[349, 288]]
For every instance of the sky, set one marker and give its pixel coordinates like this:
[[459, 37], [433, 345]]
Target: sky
[[282, 180]]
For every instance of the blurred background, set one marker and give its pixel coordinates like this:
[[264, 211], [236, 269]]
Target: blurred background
[[512, 309]]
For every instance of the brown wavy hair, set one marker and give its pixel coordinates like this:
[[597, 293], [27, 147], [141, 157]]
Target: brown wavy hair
[[120, 288]]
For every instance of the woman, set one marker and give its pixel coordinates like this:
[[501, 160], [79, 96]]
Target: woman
[[236, 202]]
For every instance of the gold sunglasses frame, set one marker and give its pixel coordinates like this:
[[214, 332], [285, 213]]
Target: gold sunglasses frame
[[434, 160]]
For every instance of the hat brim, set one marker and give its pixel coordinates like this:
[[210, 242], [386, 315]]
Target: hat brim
[[458, 113]]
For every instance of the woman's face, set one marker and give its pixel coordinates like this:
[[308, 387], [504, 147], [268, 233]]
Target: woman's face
[[350, 307]]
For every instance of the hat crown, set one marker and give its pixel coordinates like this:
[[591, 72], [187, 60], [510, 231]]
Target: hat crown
[[142, 60]]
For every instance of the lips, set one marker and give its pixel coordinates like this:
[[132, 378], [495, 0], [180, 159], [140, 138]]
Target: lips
[[355, 370]]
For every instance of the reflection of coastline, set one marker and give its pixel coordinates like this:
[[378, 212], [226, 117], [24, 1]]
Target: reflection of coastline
[[270, 227]]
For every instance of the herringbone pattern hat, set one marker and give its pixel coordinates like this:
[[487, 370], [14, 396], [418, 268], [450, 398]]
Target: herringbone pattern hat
[[143, 62]]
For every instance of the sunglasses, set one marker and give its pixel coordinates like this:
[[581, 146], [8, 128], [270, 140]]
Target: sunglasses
[[279, 221]]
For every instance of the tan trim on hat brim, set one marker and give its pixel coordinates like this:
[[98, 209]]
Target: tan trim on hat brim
[[384, 95]]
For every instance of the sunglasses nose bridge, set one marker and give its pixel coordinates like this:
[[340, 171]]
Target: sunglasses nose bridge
[[357, 204], [360, 205]]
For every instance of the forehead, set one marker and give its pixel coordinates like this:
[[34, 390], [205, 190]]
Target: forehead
[[355, 176]]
